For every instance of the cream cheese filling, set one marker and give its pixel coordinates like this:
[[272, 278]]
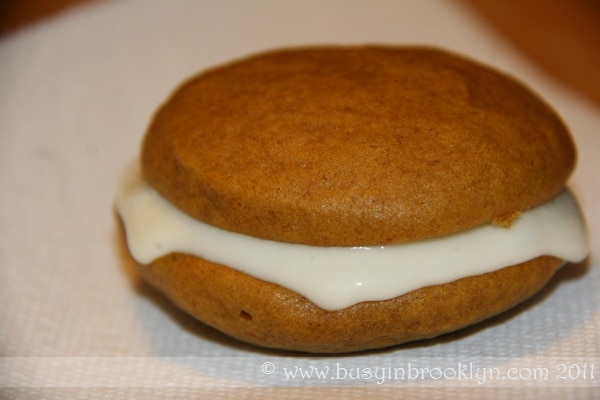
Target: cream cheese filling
[[338, 277]]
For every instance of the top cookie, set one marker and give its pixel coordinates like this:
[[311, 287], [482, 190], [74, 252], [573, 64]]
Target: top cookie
[[347, 146]]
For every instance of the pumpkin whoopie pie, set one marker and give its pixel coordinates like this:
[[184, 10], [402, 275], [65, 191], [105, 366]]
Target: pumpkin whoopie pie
[[343, 198]]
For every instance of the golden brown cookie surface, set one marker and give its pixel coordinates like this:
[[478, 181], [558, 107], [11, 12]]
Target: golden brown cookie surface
[[269, 315], [355, 146]]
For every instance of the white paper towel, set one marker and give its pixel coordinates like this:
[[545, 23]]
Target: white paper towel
[[76, 94]]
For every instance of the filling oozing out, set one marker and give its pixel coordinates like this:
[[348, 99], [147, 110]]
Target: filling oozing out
[[338, 277]]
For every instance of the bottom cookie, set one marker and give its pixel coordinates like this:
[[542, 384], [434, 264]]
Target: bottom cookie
[[268, 315]]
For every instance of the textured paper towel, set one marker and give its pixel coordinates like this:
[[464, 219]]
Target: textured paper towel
[[76, 93]]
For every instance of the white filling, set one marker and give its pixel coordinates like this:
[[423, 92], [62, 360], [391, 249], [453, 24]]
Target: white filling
[[338, 277]]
